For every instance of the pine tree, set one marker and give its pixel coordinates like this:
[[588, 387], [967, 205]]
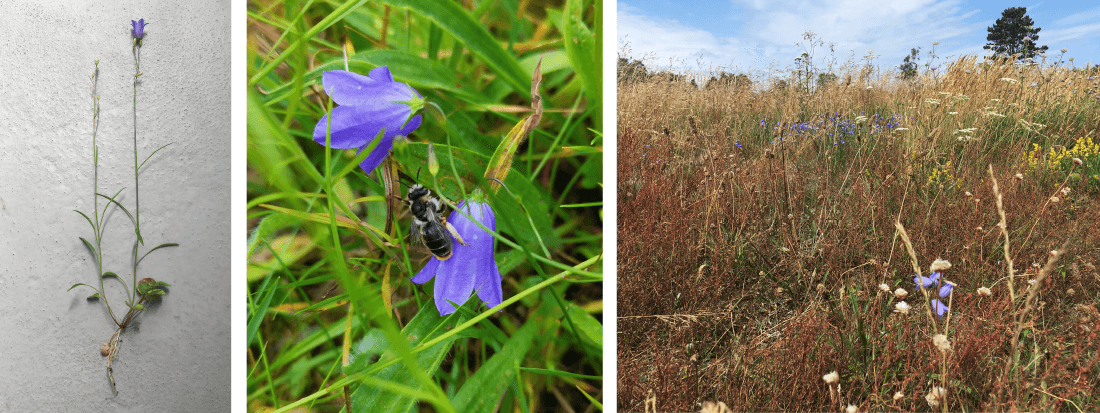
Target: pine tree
[[1014, 33]]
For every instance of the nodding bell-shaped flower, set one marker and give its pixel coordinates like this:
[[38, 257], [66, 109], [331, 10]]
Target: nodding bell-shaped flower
[[368, 105], [939, 308], [471, 268]]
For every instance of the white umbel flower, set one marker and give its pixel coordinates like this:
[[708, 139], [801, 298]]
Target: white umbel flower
[[939, 264], [935, 396], [901, 307], [941, 342], [832, 378]]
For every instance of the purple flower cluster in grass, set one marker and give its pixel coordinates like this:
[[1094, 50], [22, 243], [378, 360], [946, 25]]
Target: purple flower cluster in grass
[[835, 127], [944, 290], [471, 268], [368, 105]]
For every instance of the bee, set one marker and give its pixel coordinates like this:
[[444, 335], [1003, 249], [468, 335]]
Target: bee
[[429, 226]]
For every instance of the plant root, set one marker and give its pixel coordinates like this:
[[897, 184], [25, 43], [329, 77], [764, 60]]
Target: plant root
[[112, 347]]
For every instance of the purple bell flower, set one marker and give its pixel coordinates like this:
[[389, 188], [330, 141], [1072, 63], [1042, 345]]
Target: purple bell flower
[[927, 281], [368, 105], [945, 290], [471, 268], [139, 28], [939, 308]]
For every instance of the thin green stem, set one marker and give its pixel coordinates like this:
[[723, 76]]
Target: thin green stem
[[137, 193]]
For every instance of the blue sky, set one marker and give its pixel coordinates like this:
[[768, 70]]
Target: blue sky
[[751, 35]]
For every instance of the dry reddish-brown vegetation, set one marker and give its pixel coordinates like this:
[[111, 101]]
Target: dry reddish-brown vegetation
[[748, 270]]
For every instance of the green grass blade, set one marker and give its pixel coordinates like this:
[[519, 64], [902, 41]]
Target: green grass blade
[[453, 19], [580, 46], [257, 314]]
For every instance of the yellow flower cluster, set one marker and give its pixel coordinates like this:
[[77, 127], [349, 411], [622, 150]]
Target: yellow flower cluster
[[942, 175], [1082, 149]]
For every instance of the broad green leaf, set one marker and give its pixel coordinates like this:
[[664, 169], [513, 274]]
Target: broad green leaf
[[589, 327], [580, 45], [139, 307], [481, 391], [94, 296], [425, 326], [288, 250], [266, 230]]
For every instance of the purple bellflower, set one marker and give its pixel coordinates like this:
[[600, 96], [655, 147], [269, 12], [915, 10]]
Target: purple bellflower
[[945, 290], [927, 281], [367, 106], [471, 268], [939, 308], [139, 28]]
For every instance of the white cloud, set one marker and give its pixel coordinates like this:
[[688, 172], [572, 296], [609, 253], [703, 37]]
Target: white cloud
[[1084, 26], [659, 40], [766, 32]]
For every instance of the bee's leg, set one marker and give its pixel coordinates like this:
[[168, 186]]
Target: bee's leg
[[453, 231]]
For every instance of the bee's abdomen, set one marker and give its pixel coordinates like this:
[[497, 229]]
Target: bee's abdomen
[[438, 241]]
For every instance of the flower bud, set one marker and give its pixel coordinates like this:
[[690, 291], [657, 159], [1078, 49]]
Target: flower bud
[[433, 161]]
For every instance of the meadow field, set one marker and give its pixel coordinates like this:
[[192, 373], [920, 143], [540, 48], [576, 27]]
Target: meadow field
[[769, 230]]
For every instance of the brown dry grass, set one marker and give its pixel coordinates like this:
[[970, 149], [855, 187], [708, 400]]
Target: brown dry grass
[[747, 273]]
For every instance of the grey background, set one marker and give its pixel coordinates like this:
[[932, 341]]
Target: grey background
[[178, 358]]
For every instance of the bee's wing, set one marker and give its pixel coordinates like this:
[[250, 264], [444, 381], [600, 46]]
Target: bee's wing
[[414, 232]]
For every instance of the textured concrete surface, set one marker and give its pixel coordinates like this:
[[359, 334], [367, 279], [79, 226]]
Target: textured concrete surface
[[178, 358]]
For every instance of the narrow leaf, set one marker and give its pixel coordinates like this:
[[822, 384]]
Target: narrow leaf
[[171, 244], [78, 284], [94, 252]]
